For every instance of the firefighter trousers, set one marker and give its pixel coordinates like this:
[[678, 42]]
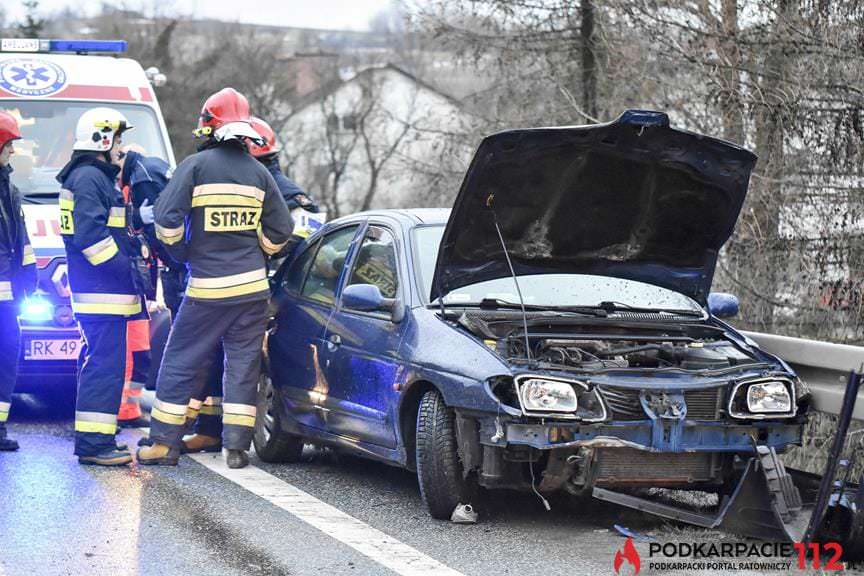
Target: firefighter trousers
[[205, 407], [10, 341], [195, 336], [101, 368]]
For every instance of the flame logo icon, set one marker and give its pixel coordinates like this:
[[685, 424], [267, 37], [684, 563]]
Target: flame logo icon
[[629, 554]]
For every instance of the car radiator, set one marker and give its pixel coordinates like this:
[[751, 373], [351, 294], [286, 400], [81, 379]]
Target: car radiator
[[629, 466]]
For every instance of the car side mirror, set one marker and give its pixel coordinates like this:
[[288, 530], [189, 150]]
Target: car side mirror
[[723, 305], [368, 298]]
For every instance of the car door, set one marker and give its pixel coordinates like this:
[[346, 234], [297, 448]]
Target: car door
[[305, 300], [362, 362]]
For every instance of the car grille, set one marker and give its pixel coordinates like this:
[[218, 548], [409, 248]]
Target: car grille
[[704, 404], [628, 466], [623, 403]]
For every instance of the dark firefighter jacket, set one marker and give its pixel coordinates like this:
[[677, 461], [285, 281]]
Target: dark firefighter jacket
[[222, 213], [98, 249], [17, 261], [146, 177], [294, 196]]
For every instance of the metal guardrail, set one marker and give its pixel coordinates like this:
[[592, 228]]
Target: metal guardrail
[[823, 366]]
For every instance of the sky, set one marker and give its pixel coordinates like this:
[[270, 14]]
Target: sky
[[328, 14]]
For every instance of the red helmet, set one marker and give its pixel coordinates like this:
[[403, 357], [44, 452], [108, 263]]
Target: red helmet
[[224, 107], [8, 128], [270, 145]]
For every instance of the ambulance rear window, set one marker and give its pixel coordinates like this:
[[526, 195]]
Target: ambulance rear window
[[47, 135]]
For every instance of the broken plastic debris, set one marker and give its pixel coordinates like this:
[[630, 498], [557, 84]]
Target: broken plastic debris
[[624, 531], [464, 514]]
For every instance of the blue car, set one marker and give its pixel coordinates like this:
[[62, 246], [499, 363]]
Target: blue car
[[554, 331]]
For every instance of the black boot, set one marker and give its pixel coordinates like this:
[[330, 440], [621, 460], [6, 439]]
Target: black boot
[[237, 459], [6, 443]]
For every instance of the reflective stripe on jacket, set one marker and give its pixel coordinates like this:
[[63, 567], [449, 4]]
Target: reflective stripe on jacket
[[93, 226], [17, 260], [223, 214]]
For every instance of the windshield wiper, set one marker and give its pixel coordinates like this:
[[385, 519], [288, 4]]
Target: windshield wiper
[[610, 307], [495, 303], [498, 304], [40, 197]]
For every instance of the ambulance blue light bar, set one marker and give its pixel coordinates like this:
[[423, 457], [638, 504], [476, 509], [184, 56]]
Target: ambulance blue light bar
[[56, 46]]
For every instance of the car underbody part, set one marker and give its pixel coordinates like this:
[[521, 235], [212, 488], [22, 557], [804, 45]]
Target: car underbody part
[[464, 514], [772, 503]]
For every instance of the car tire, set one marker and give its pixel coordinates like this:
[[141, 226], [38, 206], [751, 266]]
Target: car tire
[[272, 443], [443, 486]]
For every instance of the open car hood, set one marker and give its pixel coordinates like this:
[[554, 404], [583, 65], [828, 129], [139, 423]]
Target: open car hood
[[632, 199]]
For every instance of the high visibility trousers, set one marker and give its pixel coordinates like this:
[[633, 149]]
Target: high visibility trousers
[[10, 341], [205, 407], [101, 367], [137, 368], [194, 340]]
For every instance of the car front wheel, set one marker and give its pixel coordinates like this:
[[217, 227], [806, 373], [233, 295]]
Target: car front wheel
[[272, 444], [439, 470]]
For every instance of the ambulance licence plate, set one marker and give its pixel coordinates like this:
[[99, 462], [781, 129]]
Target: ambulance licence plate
[[52, 350]]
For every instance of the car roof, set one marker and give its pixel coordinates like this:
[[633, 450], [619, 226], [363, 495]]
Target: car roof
[[410, 216]]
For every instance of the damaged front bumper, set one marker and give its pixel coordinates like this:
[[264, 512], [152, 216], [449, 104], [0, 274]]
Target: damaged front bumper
[[688, 437], [770, 502]]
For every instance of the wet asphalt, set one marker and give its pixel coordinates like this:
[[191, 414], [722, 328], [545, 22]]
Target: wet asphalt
[[60, 518]]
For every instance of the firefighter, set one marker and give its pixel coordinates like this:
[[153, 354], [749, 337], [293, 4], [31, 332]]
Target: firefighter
[[268, 154], [102, 279], [206, 407], [235, 217], [17, 273]]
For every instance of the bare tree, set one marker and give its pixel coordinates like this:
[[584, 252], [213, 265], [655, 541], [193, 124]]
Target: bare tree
[[781, 77]]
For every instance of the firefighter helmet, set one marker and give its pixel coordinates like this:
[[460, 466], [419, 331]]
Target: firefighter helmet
[[270, 146], [225, 115], [97, 129], [8, 128]]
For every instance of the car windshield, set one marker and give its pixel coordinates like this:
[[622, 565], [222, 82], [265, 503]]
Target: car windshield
[[47, 135], [546, 289]]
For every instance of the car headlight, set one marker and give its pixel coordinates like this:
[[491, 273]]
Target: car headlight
[[763, 398], [768, 398], [540, 395]]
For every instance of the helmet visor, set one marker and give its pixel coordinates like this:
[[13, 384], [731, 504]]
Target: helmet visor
[[118, 126]]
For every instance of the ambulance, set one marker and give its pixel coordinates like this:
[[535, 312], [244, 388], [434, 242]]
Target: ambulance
[[47, 85]]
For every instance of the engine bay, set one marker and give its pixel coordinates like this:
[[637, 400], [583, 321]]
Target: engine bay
[[554, 344], [595, 354]]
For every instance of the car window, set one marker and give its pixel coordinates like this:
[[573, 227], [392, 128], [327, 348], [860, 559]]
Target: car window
[[323, 276], [376, 262], [297, 272]]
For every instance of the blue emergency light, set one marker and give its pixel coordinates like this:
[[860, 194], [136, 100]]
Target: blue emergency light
[[57, 46], [36, 309]]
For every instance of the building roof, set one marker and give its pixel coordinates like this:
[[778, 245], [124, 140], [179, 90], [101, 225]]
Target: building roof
[[328, 89]]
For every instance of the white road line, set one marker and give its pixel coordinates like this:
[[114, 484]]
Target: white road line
[[370, 542]]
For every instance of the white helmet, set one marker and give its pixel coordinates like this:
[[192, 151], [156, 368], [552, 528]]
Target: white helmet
[[97, 128]]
